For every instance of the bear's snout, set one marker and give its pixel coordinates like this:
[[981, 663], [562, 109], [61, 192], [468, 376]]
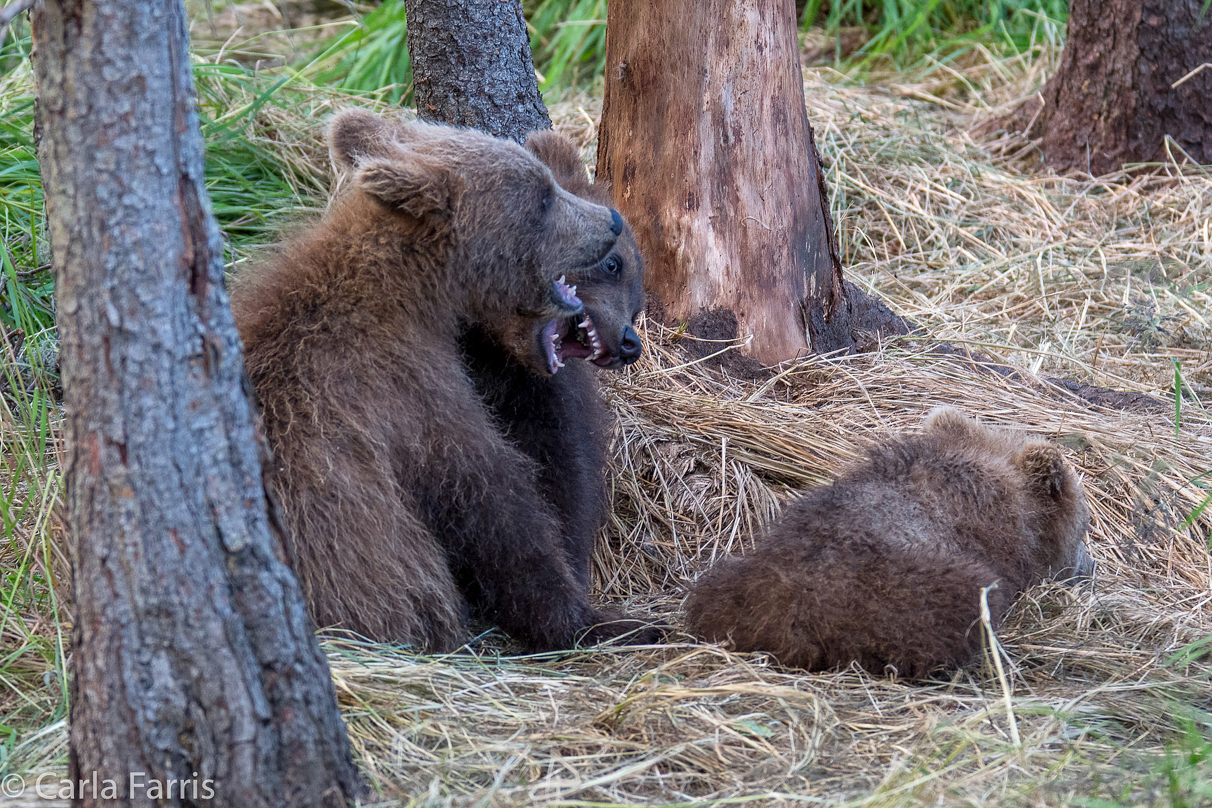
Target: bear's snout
[[616, 222], [604, 239], [630, 346], [583, 230], [1083, 567]]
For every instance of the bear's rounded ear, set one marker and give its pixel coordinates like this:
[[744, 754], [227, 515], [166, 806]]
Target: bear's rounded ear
[[355, 135], [558, 154], [1046, 470], [949, 421], [407, 182]]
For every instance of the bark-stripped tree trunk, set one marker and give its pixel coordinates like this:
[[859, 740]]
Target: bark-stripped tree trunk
[[194, 660], [706, 142], [1111, 101], [472, 66]]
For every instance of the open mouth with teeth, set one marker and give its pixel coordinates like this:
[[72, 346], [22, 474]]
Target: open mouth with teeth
[[573, 337]]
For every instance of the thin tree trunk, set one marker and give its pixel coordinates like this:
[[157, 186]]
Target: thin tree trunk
[[194, 660], [705, 140], [1111, 101], [472, 66]]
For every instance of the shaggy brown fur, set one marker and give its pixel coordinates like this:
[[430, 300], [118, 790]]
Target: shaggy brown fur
[[885, 566], [402, 498], [560, 421]]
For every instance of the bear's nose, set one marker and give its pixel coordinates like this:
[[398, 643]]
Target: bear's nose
[[616, 222], [630, 346]]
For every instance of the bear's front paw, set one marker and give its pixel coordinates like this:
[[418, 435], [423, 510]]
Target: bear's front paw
[[611, 626]]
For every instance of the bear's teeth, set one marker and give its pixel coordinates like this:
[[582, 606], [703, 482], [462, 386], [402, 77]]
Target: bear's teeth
[[560, 280]]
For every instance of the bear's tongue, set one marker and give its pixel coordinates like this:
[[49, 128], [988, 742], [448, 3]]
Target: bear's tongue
[[557, 346], [587, 345]]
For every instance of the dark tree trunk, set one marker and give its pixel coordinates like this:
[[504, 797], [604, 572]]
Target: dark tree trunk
[[471, 66], [193, 659], [705, 140], [1111, 101]]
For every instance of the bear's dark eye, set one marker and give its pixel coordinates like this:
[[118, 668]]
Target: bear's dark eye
[[545, 203], [612, 264]]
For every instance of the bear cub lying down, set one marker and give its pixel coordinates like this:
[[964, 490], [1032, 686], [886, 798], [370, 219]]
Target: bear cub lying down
[[406, 508], [885, 566]]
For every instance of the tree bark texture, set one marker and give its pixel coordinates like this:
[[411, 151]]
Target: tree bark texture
[[194, 659], [472, 66], [706, 143], [1111, 101]]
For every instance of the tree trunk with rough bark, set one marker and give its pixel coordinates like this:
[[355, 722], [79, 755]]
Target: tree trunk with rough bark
[[706, 143], [472, 66], [195, 672], [1111, 100]]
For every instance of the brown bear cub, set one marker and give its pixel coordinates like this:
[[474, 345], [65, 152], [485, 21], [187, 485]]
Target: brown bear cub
[[885, 566], [405, 507], [560, 420]]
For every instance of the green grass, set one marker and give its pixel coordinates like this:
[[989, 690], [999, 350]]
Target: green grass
[[1184, 778], [1181, 778], [254, 186], [26, 295], [32, 644], [251, 189], [568, 38], [371, 57], [906, 32]]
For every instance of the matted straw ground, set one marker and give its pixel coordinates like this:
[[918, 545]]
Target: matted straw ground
[[1104, 281]]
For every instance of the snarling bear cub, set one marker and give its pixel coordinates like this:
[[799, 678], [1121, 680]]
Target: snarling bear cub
[[560, 420], [404, 504], [885, 566]]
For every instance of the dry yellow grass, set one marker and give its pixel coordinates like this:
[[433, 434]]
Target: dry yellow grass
[[1095, 678], [1105, 281]]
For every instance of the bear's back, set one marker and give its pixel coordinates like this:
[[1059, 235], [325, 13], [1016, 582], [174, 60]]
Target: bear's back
[[926, 492], [885, 567]]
